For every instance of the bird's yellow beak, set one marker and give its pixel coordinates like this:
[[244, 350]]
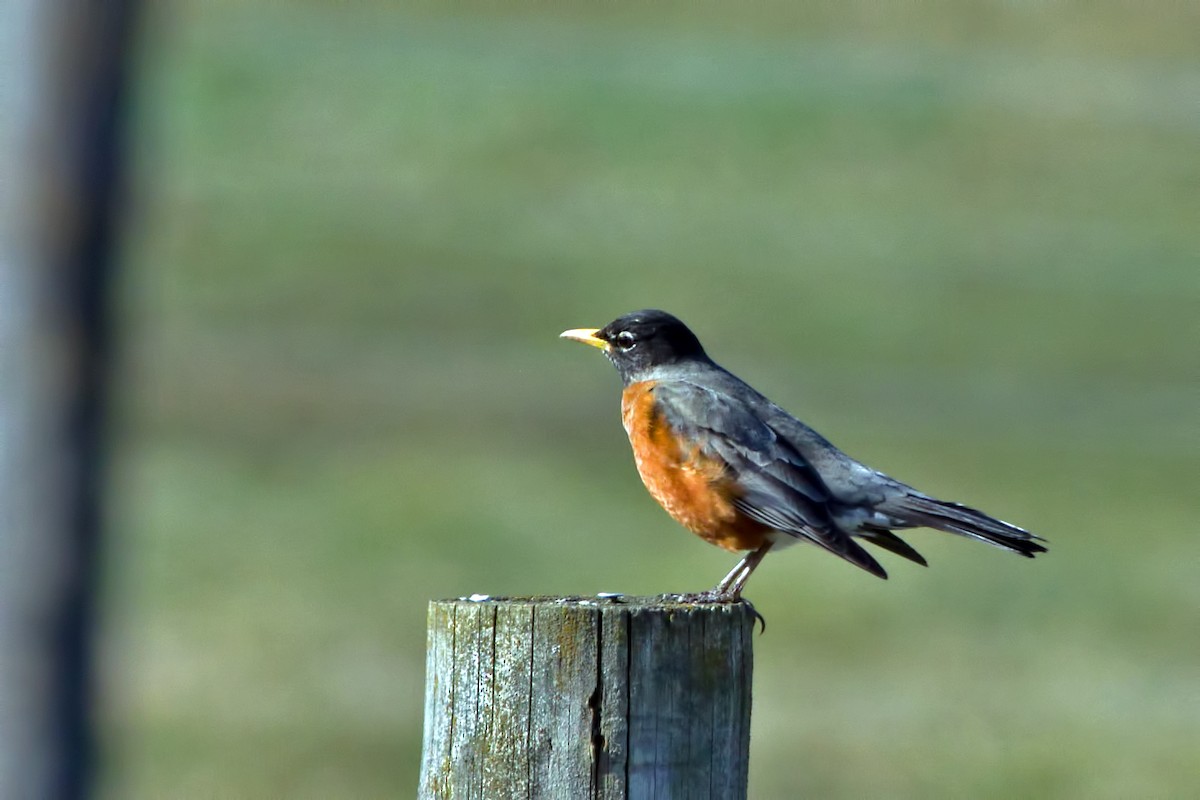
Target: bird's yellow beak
[[585, 335]]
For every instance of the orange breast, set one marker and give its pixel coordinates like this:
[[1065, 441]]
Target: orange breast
[[696, 490]]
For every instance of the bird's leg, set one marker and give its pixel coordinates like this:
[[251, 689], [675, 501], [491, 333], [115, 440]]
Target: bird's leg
[[731, 585], [729, 590], [723, 587]]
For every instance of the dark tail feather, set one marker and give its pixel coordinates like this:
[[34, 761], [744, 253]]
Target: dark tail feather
[[890, 541], [840, 544], [956, 518], [856, 555]]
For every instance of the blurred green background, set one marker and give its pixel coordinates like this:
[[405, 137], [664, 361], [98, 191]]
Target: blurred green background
[[960, 239]]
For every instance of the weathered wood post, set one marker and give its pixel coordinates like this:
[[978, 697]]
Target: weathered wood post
[[601, 697]]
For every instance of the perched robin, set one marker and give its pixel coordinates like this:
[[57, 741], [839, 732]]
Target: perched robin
[[743, 474]]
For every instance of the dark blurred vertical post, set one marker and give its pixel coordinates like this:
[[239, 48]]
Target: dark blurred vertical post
[[63, 69]]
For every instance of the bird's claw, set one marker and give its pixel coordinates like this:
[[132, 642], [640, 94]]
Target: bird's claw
[[714, 596]]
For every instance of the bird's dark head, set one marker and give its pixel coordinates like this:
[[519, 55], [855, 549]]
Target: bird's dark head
[[642, 341]]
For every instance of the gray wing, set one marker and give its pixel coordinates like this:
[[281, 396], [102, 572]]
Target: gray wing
[[854, 487], [780, 488], [897, 504]]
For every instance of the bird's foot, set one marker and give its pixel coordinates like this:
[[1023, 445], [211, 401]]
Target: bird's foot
[[710, 596], [716, 596], [762, 621]]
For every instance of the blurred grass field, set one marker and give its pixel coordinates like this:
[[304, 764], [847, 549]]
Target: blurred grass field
[[959, 239]]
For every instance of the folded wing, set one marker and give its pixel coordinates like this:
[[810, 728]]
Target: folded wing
[[778, 487]]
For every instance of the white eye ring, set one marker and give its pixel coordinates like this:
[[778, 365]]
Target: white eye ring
[[625, 340]]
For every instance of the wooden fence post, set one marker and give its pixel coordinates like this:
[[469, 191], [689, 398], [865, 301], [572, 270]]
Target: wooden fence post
[[614, 698]]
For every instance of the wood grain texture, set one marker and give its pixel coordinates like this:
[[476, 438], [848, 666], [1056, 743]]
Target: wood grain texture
[[586, 698]]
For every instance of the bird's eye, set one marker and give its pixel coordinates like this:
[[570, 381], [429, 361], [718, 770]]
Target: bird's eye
[[625, 340]]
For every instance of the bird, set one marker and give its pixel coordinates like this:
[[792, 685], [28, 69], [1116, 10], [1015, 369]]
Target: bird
[[745, 475]]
